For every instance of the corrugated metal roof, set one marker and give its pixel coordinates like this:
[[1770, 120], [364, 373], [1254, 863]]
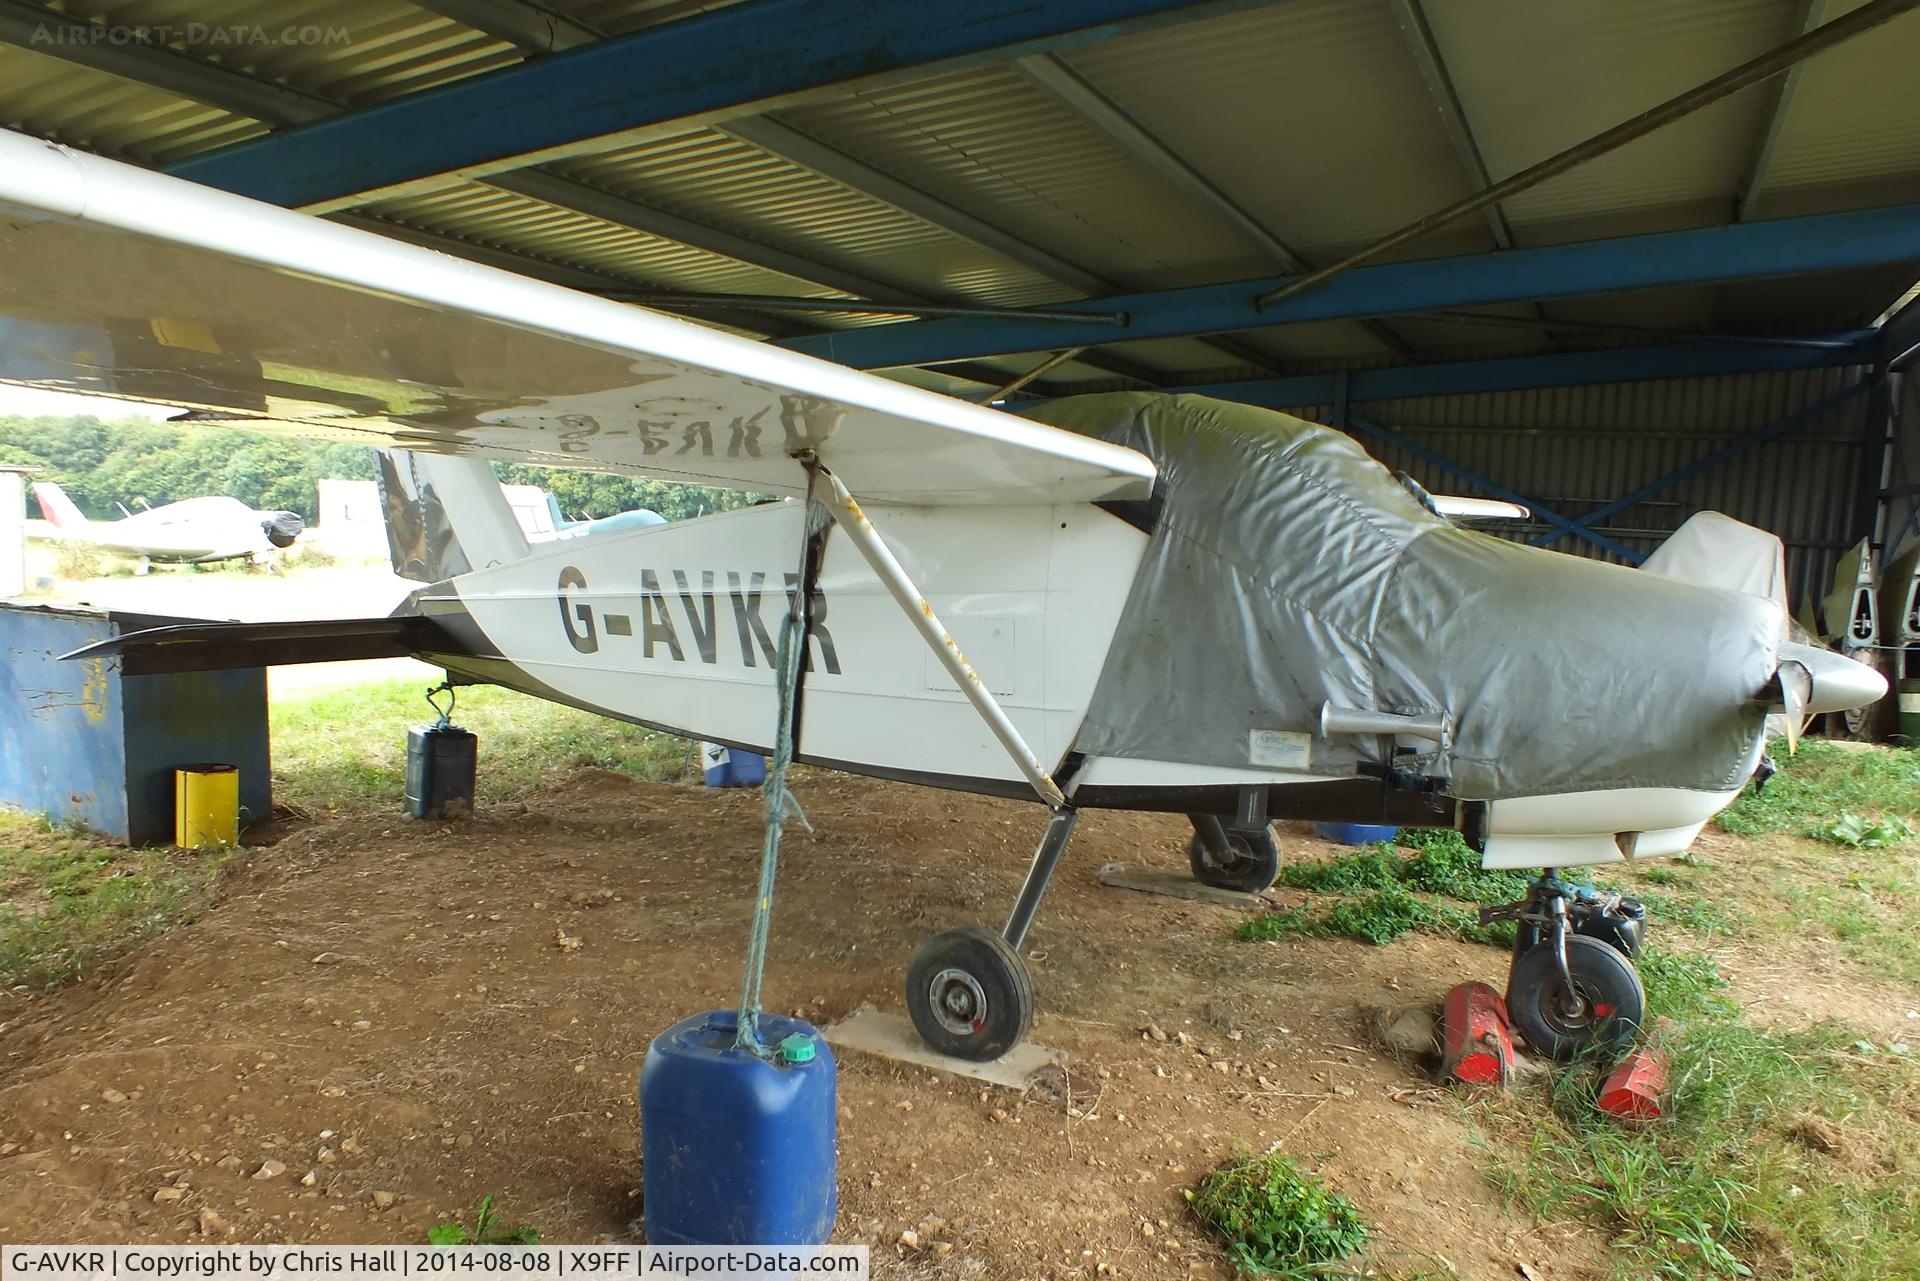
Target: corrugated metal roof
[[1844, 145], [1004, 150], [1535, 78], [1312, 115], [92, 110], [508, 221], [720, 180]]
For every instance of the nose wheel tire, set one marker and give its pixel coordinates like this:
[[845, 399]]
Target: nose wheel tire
[[1251, 861], [1602, 1013], [969, 994]]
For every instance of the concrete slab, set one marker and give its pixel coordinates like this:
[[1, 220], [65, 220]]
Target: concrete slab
[[891, 1036], [1176, 885]]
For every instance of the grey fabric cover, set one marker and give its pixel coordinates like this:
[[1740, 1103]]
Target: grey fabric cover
[[1289, 569]]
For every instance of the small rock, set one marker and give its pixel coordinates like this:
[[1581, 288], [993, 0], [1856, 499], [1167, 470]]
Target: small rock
[[1345, 1091], [163, 1195], [326, 958], [998, 1114], [212, 1225], [349, 1147], [1153, 1033], [1413, 1032], [384, 1200], [325, 1156], [113, 1096], [228, 1162], [363, 1025], [565, 941], [910, 1239], [308, 1179], [270, 1169], [1146, 1229]]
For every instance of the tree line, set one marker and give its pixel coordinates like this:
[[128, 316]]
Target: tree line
[[103, 463]]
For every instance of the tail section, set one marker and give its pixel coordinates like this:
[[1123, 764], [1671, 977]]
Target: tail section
[[445, 516], [1714, 550], [56, 506]]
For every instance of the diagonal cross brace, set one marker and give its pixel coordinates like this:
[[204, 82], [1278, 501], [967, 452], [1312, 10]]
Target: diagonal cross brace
[[1425, 455], [1583, 527]]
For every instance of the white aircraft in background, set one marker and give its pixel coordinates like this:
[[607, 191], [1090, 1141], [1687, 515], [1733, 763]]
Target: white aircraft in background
[[193, 531], [1124, 601]]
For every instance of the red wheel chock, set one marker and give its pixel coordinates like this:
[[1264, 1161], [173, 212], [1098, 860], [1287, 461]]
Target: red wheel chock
[[1477, 1044], [1636, 1088]]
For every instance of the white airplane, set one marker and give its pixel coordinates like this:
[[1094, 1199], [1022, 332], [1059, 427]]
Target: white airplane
[[195, 530], [1124, 601]]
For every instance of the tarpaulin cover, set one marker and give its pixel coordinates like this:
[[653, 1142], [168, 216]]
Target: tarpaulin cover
[[1715, 550], [1287, 569]]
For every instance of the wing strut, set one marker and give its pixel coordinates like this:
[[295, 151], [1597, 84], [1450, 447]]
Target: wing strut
[[847, 513]]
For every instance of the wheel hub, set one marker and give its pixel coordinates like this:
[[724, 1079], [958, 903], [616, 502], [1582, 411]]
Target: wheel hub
[[958, 1002]]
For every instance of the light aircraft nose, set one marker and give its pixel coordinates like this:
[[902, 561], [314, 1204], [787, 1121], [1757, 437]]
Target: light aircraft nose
[[282, 528], [1811, 680]]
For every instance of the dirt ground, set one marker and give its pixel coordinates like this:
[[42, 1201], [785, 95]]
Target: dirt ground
[[398, 1015]]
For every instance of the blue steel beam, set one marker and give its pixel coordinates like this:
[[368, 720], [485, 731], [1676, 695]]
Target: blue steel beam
[[1516, 373], [743, 59], [1778, 247], [1501, 492], [1708, 461]]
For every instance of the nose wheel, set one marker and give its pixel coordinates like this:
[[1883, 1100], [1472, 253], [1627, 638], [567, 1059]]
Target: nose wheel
[[1573, 990], [1597, 1008]]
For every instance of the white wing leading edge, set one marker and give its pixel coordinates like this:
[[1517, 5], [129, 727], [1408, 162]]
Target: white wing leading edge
[[116, 281]]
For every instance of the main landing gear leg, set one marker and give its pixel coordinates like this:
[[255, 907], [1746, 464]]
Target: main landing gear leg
[[968, 991], [1573, 989]]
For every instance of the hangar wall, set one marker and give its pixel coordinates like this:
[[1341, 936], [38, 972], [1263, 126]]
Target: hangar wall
[[1575, 448], [1902, 520]]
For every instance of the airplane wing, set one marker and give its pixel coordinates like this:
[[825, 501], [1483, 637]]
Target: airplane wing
[[121, 282]]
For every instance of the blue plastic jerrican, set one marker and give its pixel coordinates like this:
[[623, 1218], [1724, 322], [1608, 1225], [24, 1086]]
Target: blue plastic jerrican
[[731, 767], [1355, 833], [738, 1150]]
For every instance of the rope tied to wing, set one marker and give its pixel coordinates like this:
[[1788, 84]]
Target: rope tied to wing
[[779, 805]]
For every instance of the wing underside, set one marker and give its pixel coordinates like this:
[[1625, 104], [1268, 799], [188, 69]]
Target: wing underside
[[115, 281]]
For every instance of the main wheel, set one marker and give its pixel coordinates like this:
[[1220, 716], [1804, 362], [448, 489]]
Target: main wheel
[[970, 994], [1601, 1015], [1251, 862]]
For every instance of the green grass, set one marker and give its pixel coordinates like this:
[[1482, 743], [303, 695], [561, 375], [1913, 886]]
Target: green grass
[[1737, 1179], [1387, 892], [346, 749], [1818, 787], [486, 1229], [1277, 1220], [69, 901]]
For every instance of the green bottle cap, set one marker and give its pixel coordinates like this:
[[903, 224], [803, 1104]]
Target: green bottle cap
[[797, 1048]]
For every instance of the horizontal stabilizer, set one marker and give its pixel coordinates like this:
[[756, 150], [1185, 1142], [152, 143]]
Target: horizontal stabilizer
[[215, 647], [1458, 507]]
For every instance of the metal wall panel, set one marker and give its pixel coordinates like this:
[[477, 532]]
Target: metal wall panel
[[1901, 524], [1575, 448]]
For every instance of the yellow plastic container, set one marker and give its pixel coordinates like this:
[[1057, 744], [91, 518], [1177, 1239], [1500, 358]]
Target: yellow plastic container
[[206, 806]]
